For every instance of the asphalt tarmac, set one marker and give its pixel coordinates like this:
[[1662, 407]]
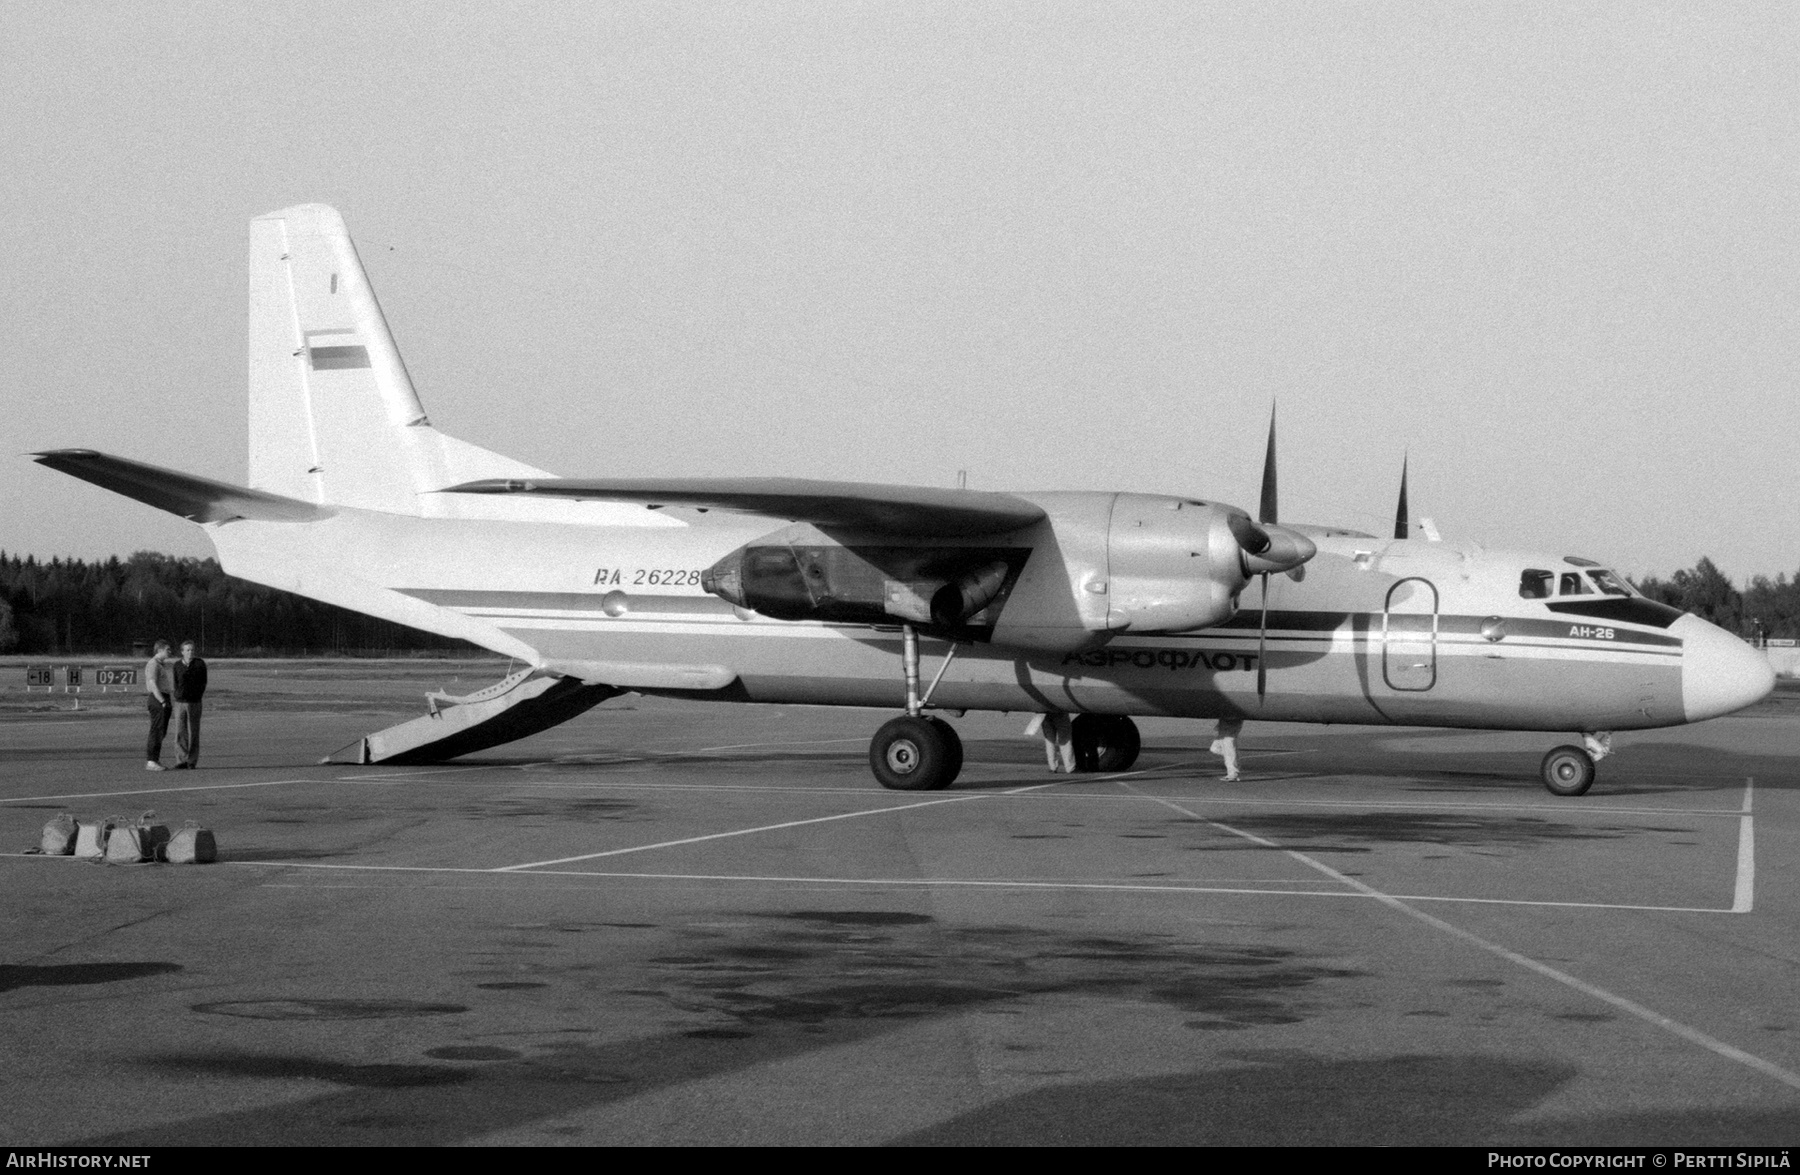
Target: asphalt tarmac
[[693, 923]]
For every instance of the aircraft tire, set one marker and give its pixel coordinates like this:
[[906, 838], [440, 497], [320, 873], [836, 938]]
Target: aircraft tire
[[915, 754], [1105, 742], [1568, 771], [954, 741]]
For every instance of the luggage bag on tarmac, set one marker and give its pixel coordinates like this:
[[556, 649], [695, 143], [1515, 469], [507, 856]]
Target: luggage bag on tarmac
[[59, 837], [192, 846], [143, 841], [90, 838]]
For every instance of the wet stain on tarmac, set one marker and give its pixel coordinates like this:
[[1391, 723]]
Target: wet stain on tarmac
[[1585, 1017], [473, 1052], [510, 985], [771, 987], [17, 975], [327, 1009], [859, 917], [835, 967], [377, 1076], [578, 809], [1359, 832]]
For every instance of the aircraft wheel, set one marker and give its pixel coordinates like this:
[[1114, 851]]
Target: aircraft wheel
[[1568, 771], [915, 754], [1105, 742], [954, 741]]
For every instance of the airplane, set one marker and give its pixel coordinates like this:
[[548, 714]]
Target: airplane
[[1088, 607]]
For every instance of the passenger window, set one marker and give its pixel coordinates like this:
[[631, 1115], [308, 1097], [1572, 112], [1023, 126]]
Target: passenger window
[[1535, 584], [1574, 585]]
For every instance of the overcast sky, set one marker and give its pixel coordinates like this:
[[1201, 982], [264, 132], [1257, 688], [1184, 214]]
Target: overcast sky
[[1549, 249]]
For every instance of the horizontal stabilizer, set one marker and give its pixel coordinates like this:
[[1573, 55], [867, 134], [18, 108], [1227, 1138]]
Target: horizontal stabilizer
[[897, 510], [197, 499]]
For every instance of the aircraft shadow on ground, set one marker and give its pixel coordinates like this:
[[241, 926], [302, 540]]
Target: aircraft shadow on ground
[[792, 984], [1295, 1100]]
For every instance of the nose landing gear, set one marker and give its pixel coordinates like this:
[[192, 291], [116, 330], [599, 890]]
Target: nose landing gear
[[1568, 771]]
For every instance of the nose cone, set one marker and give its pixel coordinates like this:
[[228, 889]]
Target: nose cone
[[1719, 672], [1270, 548], [725, 578]]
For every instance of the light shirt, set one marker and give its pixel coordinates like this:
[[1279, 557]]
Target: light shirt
[[159, 675]]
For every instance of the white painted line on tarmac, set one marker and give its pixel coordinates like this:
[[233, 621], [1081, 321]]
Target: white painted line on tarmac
[[147, 791], [1563, 808], [691, 840], [1261, 890], [1675, 1027], [1744, 896]]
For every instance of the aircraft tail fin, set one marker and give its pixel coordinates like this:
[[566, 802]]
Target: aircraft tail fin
[[334, 418]]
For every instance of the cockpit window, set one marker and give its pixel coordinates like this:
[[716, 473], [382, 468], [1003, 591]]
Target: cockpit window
[[1609, 583], [1534, 584], [1574, 585]]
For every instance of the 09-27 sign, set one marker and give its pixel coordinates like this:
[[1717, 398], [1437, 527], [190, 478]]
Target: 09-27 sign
[[116, 675]]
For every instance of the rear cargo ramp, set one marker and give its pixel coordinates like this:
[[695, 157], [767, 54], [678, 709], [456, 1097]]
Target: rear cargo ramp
[[519, 706]]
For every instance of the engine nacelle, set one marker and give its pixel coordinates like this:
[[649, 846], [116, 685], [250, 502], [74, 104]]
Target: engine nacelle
[[948, 588], [1174, 564], [1177, 564]]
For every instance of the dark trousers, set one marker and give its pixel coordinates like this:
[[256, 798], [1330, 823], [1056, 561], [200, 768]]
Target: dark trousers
[[159, 726], [187, 731]]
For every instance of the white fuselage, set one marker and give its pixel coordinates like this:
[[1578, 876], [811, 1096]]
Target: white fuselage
[[1369, 631]]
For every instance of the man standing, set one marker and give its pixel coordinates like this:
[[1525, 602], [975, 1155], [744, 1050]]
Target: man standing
[[190, 687], [159, 684]]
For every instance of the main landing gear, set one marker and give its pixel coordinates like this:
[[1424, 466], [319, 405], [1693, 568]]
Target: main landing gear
[[917, 752], [1569, 771]]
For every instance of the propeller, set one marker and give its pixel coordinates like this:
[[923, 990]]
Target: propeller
[[1265, 547], [1266, 511], [1402, 527]]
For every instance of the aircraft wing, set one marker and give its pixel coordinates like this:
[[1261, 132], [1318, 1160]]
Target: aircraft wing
[[897, 510], [197, 499]]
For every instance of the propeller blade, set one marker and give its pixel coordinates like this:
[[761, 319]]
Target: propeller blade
[[1262, 643], [1266, 511], [1402, 527]]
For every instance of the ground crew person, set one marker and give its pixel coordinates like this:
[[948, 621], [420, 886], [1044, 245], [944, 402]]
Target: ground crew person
[[159, 684], [1225, 745], [190, 687]]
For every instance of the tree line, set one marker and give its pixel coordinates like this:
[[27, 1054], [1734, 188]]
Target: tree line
[[1766, 608], [72, 606], [107, 608]]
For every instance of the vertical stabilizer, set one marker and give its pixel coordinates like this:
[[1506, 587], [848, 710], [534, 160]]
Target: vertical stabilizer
[[333, 414]]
